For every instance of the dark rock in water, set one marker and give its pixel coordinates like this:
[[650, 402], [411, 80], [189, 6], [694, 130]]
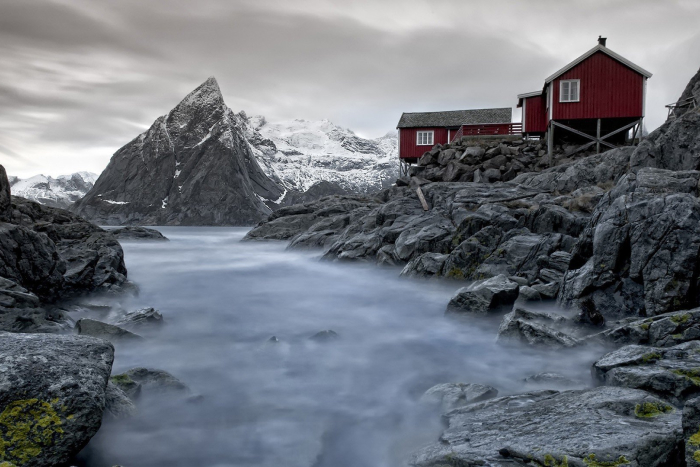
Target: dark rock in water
[[325, 336], [551, 380], [156, 381], [128, 386], [425, 265], [52, 395], [137, 233], [142, 317], [672, 373], [485, 296], [117, 403], [536, 328], [453, 395], [596, 427], [192, 167], [91, 327], [691, 432], [287, 222], [273, 340]]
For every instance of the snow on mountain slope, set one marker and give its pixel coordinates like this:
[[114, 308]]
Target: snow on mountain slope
[[301, 153], [59, 192]]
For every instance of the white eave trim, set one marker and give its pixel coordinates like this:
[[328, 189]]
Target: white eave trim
[[529, 94], [605, 50]]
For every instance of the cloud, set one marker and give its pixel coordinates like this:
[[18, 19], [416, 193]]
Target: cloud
[[81, 78]]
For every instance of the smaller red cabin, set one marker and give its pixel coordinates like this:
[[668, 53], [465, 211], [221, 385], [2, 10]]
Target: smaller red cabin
[[420, 131]]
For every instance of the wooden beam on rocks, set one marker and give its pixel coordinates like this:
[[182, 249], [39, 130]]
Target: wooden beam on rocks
[[419, 192]]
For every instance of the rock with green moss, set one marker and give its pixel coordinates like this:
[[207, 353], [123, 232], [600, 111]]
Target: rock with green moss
[[664, 330], [52, 396], [156, 381], [672, 373], [691, 432], [588, 428]]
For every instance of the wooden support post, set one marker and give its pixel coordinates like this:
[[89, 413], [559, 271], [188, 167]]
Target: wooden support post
[[597, 144], [550, 142], [641, 129], [419, 192]]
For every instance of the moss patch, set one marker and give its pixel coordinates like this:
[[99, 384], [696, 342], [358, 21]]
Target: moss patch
[[692, 374], [551, 461], [651, 357], [679, 319], [651, 410], [696, 456], [591, 461], [26, 428], [454, 273], [695, 439]]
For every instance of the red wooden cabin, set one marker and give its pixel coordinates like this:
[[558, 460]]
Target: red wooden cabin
[[596, 99], [420, 131]]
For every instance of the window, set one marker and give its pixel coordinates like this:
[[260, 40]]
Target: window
[[424, 138], [569, 90]]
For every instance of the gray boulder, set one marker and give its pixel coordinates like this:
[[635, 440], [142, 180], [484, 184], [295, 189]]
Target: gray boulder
[[94, 328], [154, 381], [425, 265], [52, 396], [138, 318], [485, 296], [536, 329], [117, 403], [453, 395], [550, 380], [128, 386], [595, 427]]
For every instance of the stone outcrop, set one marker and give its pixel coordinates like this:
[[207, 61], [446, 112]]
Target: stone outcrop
[[47, 254], [639, 430], [52, 396], [453, 395], [193, 166], [672, 373], [137, 233], [484, 296]]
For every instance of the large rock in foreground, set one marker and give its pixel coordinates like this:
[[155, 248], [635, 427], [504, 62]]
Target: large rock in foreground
[[192, 167], [52, 395], [605, 426]]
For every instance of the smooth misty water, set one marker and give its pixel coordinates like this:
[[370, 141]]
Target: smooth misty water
[[350, 402]]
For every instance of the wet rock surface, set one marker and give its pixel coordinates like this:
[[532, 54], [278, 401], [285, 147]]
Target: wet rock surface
[[453, 395], [52, 396], [601, 426]]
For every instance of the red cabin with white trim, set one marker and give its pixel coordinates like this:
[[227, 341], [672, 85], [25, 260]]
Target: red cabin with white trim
[[420, 131], [596, 97]]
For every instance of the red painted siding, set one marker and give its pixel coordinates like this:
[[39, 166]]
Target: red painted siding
[[407, 141], [535, 118], [608, 89]]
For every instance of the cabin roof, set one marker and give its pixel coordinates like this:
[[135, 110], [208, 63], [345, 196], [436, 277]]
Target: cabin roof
[[454, 118], [605, 50]]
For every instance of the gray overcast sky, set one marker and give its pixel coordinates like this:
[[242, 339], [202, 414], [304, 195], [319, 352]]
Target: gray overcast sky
[[80, 78]]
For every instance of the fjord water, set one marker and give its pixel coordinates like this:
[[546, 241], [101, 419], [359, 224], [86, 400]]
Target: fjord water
[[352, 401]]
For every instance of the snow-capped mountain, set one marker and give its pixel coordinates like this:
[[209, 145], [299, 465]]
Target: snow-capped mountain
[[60, 192], [301, 153]]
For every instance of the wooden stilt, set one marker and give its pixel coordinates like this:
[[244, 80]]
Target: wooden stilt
[[597, 144], [550, 142], [419, 192]]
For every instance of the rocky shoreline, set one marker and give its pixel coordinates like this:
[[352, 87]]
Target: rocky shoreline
[[614, 239]]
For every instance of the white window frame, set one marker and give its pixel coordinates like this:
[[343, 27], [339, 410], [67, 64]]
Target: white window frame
[[578, 89], [430, 138]]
